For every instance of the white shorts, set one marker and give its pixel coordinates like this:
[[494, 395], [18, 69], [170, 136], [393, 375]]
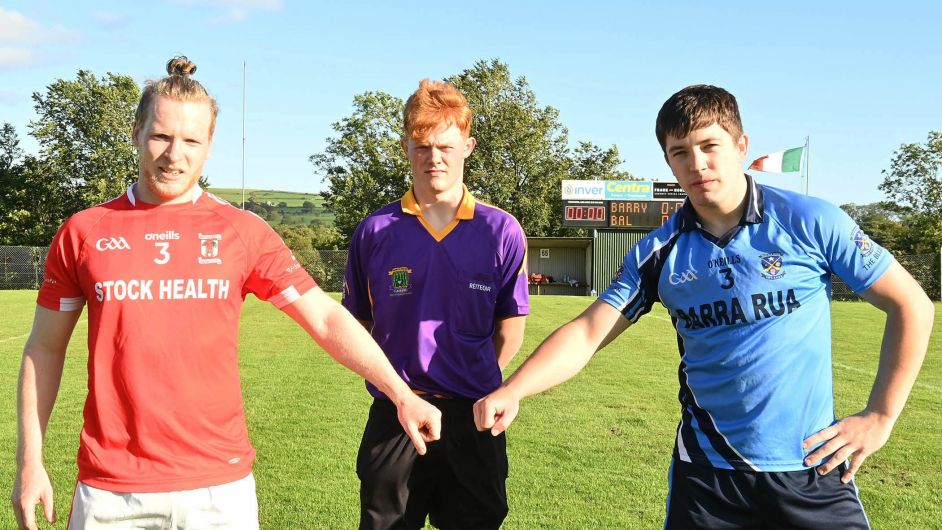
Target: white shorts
[[231, 506]]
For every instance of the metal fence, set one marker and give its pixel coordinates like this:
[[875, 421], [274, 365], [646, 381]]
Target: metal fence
[[22, 268]]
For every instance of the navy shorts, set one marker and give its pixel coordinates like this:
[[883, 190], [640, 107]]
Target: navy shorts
[[707, 497], [459, 484]]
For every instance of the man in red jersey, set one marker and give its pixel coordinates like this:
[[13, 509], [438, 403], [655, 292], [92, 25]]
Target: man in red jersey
[[164, 270]]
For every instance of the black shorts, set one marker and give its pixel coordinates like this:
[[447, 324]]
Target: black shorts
[[460, 483], [707, 497]]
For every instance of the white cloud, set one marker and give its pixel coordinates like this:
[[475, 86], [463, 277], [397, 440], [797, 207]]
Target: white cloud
[[12, 56], [110, 19], [234, 16], [235, 11], [16, 28]]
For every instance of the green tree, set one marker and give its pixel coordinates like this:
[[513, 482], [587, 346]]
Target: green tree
[[10, 152], [31, 205], [591, 162], [521, 158], [84, 134], [914, 181], [522, 154], [884, 222], [364, 166], [914, 177]]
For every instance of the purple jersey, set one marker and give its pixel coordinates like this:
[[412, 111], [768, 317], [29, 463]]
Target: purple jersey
[[434, 297]]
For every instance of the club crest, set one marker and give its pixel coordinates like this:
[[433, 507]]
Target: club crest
[[209, 248], [771, 265], [862, 240], [400, 281]]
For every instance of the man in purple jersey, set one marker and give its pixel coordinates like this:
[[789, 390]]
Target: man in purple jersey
[[440, 280]]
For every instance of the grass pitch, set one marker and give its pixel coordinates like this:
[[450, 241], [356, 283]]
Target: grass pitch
[[592, 453]]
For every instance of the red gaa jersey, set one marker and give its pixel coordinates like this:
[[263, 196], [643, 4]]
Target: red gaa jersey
[[164, 287]]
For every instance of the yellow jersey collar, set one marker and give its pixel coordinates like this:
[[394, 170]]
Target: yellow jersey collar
[[465, 207]]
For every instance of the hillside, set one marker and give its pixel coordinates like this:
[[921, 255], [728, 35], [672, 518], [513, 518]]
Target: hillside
[[280, 207]]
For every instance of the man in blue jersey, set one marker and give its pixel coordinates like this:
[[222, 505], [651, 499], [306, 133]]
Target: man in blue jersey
[[744, 271]]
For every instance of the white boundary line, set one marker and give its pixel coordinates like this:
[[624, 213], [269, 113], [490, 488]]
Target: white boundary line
[[919, 384], [23, 336]]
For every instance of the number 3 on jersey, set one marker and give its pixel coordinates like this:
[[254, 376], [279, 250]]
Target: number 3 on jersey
[[164, 253], [727, 278]]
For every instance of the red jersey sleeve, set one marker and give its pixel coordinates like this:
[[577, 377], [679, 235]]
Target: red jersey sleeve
[[60, 290], [275, 274]]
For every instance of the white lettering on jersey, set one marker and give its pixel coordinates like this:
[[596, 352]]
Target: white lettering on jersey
[[112, 243], [176, 289], [124, 290], [164, 253], [169, 235]]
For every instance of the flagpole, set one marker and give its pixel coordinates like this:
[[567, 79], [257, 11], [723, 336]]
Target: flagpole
[[243, 134], [807, 159]]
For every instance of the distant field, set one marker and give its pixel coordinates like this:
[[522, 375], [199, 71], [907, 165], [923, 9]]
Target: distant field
[[591, 454], [292, 213]]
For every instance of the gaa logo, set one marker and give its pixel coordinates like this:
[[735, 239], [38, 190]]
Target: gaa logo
[[688, 275], [112, 243]]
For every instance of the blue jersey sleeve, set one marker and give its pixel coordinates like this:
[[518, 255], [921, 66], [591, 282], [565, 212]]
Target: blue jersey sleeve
[[849, 251], [630, 293]]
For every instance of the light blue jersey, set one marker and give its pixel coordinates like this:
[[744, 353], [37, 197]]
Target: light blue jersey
[[752, 313]]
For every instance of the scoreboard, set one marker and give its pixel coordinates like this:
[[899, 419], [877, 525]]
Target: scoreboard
[[640, 214], [620, 204], [585, 214]]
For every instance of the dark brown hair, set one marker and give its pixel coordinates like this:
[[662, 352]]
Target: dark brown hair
[[696, 107]]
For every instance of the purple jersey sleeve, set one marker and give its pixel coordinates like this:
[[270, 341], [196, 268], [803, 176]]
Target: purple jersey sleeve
[[513, 298], [356, 295]]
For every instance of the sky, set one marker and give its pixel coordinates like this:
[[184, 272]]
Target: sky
[[859, 79]]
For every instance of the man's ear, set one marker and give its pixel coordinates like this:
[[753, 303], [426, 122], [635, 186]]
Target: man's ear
[[405, 145], [469, 145], [743, 146]]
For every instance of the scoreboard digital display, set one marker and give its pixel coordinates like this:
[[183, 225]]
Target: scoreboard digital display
[[641, 214], [588, 214]]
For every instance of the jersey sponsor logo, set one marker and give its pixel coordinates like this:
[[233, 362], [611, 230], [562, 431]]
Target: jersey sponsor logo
[[169, 235], [209, 249], [171, 289], [771, 264], [677, 278], [731, 312], [400, 281], [112, 243], [479, 287], [862, 240]]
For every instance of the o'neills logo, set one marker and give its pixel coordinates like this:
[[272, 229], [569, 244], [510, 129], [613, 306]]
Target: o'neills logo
[[169, 235]]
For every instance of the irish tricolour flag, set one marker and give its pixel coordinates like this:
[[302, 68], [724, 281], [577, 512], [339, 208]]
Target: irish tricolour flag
[[780, 162]]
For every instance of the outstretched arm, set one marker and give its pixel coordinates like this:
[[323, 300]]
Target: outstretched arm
[[909, 316], [40, 374], [560, 357], [508, 337], [346, 340]]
